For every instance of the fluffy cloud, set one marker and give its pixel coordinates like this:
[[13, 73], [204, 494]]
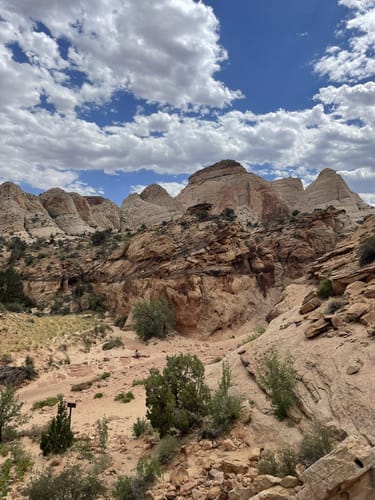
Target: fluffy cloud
[[166, 52], [355, 61], [173, 188]]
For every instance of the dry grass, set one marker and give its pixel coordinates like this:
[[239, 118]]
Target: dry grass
[[22, 331]]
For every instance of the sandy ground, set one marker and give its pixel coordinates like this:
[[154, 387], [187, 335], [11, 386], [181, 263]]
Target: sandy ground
[[124, 369]]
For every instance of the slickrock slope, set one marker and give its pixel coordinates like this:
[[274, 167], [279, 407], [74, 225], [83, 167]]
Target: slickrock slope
[[331, 341], [227, 184]]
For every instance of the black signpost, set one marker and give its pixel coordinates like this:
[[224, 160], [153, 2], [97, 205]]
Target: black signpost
[[70, 406]]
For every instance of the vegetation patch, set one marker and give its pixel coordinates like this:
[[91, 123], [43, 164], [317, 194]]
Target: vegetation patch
[[278, 377], [152, 319], [325, 289], [124, 397], [141, 427], [21, 333], [51, 401], [112, 344]]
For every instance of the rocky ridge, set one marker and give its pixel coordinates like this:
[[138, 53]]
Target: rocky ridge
[[226, 184]]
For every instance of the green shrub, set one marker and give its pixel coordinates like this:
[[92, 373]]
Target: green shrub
[[177, 398], [281, 464], [134, 488], [11, 291], [58, 436], [51, 401], [366, 252], [167, 449], [268, 464], [315, 445], [228, 214], [278, 377], [325, 289], [141, 427], [82, 386], [224, 409], [10, 411], [152, 319], [98, 395], [112, 343], [21, 460], [71, 483], [96, 302], [124, 397]]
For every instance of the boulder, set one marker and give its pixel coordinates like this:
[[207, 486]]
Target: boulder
[[339, 471], [316, 328]]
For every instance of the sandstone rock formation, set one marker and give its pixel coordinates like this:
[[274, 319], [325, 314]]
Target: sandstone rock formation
[[151, 207], [227, 184], [105, 213], [23, 215], [329, 188], [215, 274], [291, 191]]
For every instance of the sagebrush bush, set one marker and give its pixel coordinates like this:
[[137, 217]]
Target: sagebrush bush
[[282, 463], [167, 449], [315, 445], [71, 483], [333, 306], [135, 487], [366, 252], [124, 397], [141, 427], [278, 377]]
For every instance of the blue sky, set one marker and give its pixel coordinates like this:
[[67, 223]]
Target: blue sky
[[106, 98]]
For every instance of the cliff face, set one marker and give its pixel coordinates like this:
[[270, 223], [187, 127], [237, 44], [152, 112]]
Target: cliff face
[[215, 274]]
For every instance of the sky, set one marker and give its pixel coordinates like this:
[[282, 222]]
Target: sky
[[107, 97]]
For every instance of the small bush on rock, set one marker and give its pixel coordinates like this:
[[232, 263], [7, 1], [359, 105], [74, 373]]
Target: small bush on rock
[[366, 252], [135, 487], [167, 449], [315, 445], [278, 377], [325, 289], [141, 427]]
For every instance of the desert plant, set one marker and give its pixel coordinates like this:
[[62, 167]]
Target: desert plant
[[102, 430], [21, 460], [112, 343], [366, 252], [224, 409], [124, 397], [51, 401], [333, 306], [315, 445], [282, 463], [58, 436], [11, 290], [98, 395], [177, 398], [228, 214], [134, 488], [278, 377], [325, 289], [167, 449], [268, 464], [152, 319], [72, 483], [141, 427], [10, 411]]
